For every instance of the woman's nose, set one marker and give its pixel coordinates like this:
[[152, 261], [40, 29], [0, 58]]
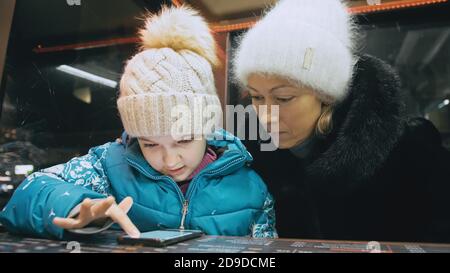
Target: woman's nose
[[269, 116]]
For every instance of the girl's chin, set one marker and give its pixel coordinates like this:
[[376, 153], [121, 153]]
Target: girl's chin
[[180, 177]]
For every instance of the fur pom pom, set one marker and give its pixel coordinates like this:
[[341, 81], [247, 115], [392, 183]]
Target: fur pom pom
[[180, 28]]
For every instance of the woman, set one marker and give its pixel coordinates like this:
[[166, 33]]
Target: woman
[[349, 164]]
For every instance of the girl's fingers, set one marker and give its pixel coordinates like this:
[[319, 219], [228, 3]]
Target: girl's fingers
[[66, 223], [86, 204], [85, 207], [126, 204], [85, 214], [98, 209], [121, 218], [90, 210]]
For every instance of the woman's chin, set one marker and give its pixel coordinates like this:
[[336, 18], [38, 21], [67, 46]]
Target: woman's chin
[[283, 142], [287, 143], [284, 146]]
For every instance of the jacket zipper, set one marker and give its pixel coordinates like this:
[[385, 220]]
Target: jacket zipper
[[193, 185], [185, 201], [184, 212]]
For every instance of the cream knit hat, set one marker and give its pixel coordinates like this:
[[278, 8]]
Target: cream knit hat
[[309, 42], [170, 81]]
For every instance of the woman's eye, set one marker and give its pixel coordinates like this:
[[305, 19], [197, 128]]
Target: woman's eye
[[184, 141], [148, 145], [285, 99]]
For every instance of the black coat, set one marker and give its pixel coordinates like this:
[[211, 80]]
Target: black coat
[[378, 175]]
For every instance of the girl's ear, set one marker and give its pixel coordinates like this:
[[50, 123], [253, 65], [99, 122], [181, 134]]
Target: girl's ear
[[125, 139]]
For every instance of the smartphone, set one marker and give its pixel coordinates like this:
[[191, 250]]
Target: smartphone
[[160, 238]]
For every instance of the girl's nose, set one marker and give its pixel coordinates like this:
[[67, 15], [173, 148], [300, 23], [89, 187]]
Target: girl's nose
[[171, 159]]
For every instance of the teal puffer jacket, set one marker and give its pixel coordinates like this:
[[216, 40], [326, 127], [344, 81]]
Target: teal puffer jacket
[[226, 198]]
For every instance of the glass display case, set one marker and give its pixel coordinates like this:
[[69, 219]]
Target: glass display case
[[60, 80]]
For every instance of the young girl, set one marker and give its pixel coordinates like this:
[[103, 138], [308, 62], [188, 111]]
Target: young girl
[[195, 179]]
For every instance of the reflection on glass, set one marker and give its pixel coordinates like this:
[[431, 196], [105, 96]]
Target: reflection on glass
[[61, 76]]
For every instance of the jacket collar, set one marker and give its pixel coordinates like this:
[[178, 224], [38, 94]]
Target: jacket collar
[[234, 155], [367, 126]]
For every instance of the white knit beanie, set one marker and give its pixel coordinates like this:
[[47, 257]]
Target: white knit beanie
[[173, 71], [309, 42]]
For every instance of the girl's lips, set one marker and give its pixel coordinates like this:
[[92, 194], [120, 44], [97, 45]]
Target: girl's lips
[[176, 171]]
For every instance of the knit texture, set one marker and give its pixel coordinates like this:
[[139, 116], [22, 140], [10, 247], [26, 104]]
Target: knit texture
[[309, 42], [168, 88]]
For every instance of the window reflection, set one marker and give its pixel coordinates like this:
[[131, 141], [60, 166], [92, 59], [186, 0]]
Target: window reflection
[[60, 83]]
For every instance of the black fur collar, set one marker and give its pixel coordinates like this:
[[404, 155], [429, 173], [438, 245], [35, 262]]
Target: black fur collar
[[367, 126]]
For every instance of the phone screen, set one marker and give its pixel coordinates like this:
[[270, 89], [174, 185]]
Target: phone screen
[[161, 237], [164, 234]]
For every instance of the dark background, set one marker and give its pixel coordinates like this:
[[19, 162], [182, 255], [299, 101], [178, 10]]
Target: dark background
[[48, 116]]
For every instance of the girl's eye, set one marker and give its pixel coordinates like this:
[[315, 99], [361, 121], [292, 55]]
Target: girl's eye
[[184, 141], [285, 99], [257, 98], [148, 145]]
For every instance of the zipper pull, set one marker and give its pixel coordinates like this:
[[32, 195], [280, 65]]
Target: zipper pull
[[184, 211]]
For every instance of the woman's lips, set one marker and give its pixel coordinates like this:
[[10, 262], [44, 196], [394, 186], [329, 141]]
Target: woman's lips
[[277, 133]]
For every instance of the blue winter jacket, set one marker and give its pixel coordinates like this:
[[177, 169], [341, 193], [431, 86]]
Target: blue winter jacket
[[225, 198]]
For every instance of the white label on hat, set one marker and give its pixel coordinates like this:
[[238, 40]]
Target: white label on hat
[[307, 62]]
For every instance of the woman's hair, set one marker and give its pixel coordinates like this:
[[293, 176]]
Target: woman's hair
[[325, 121]]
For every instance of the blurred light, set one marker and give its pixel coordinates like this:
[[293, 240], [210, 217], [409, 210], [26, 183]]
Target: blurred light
[[444, 103], [5, 179], [23, 169], [6, 188], [86, 75], [83, 94]]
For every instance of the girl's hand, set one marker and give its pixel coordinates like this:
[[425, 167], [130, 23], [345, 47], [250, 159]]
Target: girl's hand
[[107, 208]]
